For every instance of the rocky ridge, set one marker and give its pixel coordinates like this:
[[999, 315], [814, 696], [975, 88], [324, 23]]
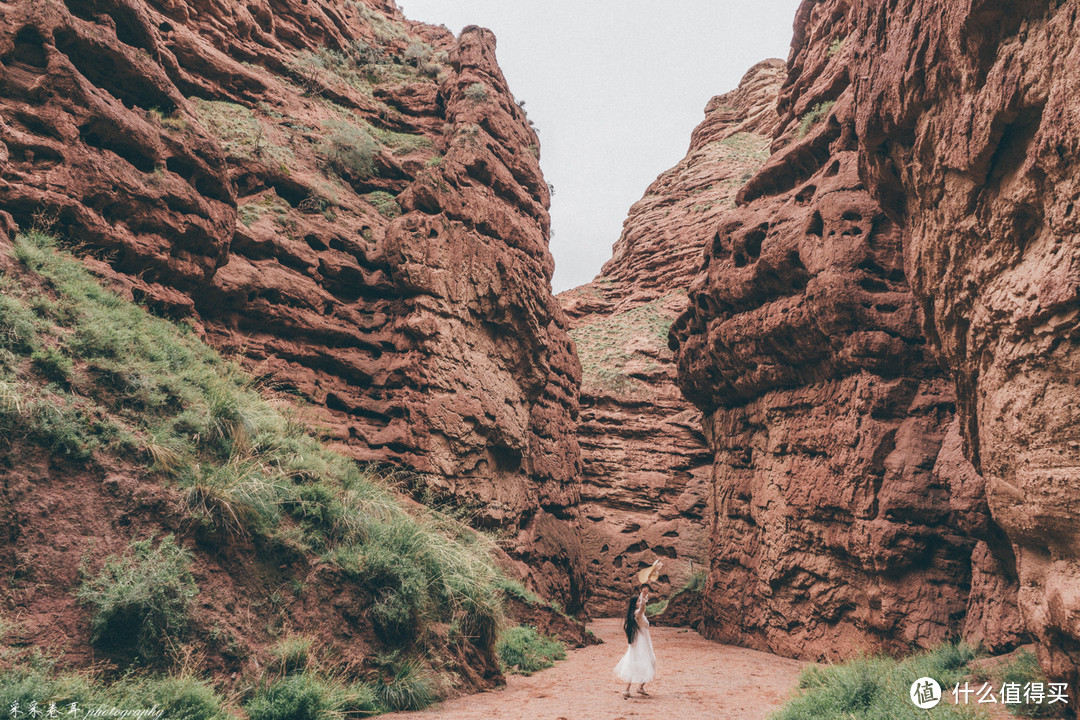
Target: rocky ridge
[[844, 515], [967, 125], [645, 472], [348, 201]]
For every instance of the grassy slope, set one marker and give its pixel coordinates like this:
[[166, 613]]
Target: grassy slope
[[602, 343], [93, 378]]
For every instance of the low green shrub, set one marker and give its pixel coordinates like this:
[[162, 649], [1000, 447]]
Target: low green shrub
[[309, 696], [348, 150], [233, 498], [417, 53], [523, 650], [476, 93], [514, 588], [141, 598], [696, 582], [655, 608], [294, 697], [385, 203], [877, 688], [54, 422], [179, 697], [23, 685]]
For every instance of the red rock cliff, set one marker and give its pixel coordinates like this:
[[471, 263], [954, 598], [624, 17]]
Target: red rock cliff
[[645, 485], [844, 516], [350, 201], [968, 124]]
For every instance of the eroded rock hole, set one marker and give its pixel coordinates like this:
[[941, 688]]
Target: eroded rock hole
[[507, 459], [315, 242], [29, 49], [806, 194], [129, 28], [105, 136], [1016, 138], [754, 239], [112, 73], [292, 193], [719, 247], [205, 184], [816, 225], [873, 285]]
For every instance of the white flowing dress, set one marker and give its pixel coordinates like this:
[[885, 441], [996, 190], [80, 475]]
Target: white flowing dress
[[638, 665]]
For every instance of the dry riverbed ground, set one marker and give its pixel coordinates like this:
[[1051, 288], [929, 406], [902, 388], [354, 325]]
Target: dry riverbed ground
[[696, 678]]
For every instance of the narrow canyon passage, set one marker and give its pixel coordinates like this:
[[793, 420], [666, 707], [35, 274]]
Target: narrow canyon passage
[[696, 678]]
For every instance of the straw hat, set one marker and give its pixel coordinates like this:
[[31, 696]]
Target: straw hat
[[650, 574]]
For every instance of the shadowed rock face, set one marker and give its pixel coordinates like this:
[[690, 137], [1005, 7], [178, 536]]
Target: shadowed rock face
[[349, 201], [645, 462], [843, 515], [968, 124]]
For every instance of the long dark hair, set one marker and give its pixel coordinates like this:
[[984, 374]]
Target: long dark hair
[[630, 625]]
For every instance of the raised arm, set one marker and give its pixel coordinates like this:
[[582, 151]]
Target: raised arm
[[640, 611]]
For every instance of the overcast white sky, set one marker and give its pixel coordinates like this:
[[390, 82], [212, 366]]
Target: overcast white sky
[[615, 88]]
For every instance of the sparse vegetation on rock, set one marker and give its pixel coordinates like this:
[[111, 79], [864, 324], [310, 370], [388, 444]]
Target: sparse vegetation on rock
[[813, 116]]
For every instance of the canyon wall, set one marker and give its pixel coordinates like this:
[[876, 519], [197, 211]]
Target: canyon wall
[[968, 124], [645, 479], [844, 515], [349, 202]]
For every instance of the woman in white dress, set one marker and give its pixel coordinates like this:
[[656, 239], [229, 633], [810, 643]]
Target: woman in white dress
[[638, 665]]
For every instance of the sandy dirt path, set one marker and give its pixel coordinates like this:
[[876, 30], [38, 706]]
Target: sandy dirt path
[[695, 678]]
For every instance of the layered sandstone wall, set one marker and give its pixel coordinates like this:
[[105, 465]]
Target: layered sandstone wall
[[350, 202], [968, 124], [844, 516], [645, 490]]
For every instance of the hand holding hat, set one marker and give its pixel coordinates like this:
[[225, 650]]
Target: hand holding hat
[[650, 574]]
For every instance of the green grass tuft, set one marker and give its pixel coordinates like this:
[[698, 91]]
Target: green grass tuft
[[408, 687], [292, 654], [523, 651], [141, 599]]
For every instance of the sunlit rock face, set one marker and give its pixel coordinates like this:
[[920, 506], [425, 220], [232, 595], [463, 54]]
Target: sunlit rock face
[[968, 127], [646, 465], [348, 201], [844, 516]]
